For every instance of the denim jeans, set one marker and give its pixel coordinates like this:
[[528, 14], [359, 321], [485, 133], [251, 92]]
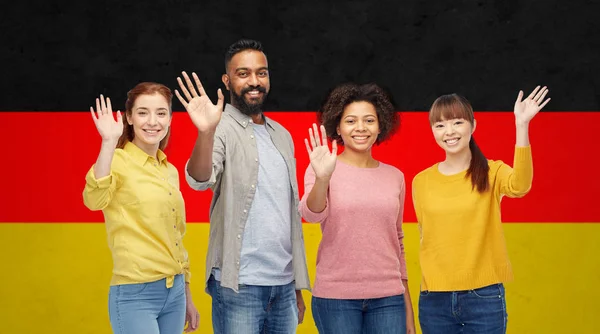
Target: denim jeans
[[481, 310], [149, 308], [385, 315], [255, 309]]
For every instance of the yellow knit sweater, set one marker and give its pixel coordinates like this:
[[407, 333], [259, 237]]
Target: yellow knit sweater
[[462, 243]]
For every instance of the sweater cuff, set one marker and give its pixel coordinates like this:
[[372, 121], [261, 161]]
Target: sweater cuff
[[522, 153]]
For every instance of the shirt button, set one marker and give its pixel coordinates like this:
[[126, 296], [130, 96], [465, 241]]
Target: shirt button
[[169, 194], [252, 186], [173, 210], [243, 123], [251, 136], [174, 226], [256, 159], [239, 236], [245, 210]]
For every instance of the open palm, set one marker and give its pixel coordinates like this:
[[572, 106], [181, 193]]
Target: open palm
[[108, 128], [526, 109], [204, 114], [322, 160]]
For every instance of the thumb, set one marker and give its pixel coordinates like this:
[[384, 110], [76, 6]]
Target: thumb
[[519, 97], [221, 100]]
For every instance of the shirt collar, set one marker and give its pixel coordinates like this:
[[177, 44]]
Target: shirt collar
[[243, 119], [140, 156]]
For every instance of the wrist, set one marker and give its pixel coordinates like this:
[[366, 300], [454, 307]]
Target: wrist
[[323, 180], [206, 133], [110, 143]]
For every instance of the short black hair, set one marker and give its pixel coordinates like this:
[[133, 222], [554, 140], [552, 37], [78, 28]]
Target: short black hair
[[239, 46]]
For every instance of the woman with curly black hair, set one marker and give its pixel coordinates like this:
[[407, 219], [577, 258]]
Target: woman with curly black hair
[[361, 281]]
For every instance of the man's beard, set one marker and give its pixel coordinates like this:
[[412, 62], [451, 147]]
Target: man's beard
[[244, 106]]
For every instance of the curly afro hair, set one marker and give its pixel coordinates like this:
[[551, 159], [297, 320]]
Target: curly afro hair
[[341, 96]]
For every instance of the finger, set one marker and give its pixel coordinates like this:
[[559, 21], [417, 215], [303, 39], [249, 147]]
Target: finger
[[544, 104], [93, 115], [541, 97], [221, 100], [185, 104], [190, 84], [323, 135], [519, 97], [183, 89], [316, 132], [196, 321], [334, 148], [108, 105], [534, 92], [199, 84], [119, 117], [307, 147], [311, 137], [103, 104], [98, 109]]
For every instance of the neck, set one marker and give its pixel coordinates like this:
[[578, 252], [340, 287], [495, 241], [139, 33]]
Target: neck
[[358, 159], [258, 119], [151, 150], [459, 161]]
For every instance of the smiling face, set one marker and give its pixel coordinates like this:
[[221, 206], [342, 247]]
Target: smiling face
[[247, 80], [359, 126], [150, 118], [453, 135], [452, 123]]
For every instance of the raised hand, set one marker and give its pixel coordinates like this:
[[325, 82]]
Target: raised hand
[[108, 128], [526, 109], [322, 160], [204, 114]]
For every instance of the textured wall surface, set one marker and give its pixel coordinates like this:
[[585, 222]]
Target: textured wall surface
[[59, 55]]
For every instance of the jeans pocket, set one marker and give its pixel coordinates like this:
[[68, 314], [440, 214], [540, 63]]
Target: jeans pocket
[[490, 291], [424, 293], [132, 290]]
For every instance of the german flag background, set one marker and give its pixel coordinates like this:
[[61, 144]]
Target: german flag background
[[57, 57]]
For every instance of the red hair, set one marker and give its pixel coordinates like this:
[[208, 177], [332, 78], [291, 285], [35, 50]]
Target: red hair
[[144, 88]]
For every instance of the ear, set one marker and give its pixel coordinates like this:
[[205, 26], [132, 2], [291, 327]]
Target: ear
[[225, 79], [474, 125], [338, 130], [129, 120]]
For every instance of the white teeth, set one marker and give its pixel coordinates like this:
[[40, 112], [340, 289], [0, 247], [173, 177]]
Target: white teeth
[[451, 141], [360, 137]]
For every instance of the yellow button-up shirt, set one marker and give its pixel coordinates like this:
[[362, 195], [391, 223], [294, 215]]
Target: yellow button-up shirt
[[145, 216]]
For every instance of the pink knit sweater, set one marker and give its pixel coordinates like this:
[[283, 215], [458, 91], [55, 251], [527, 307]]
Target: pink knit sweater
[[361, 254]]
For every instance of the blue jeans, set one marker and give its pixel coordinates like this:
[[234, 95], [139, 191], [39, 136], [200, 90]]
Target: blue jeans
[[148, 308], [255, 309], [360, 316], [481, 310]]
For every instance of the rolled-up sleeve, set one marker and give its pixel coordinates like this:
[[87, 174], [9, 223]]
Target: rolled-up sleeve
[[98, 193], [218, 157]]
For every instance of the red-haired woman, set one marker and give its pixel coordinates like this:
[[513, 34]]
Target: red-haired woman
[[463, 255], [137, 189]]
